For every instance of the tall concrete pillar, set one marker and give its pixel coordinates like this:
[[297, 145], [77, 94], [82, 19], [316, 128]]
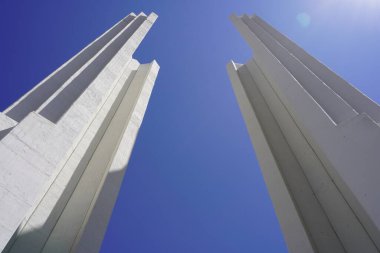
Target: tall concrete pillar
[[317, 139], [64, 146]]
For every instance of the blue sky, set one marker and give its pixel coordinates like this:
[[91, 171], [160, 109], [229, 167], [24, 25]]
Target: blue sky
[[193, 183]]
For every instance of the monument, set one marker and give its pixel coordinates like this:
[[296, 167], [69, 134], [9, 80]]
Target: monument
[[317, 139], [64, 145]]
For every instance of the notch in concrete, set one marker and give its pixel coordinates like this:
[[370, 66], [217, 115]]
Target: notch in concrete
[[6, 125]]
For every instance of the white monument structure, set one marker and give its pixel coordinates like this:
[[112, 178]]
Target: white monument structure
[[317, 139], [64, 145]]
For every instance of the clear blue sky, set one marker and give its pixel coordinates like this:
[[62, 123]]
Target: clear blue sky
[[193, 184]]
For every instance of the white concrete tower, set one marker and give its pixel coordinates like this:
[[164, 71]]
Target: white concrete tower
[[317, 139], [64, 146]]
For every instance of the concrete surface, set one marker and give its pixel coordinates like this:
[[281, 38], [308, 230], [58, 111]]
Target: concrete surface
[[61, 144], [317, 140]]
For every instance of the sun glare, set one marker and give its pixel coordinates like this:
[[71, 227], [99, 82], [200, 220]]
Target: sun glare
[[303, 19]]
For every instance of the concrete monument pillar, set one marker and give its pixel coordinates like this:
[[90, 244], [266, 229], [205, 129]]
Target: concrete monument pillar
[[64, 146], [317, 139]]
